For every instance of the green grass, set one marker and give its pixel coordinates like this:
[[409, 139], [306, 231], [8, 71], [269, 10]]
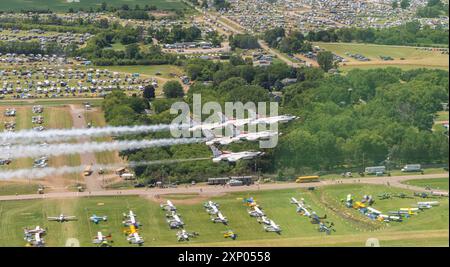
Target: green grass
[[63, 5], [51, 102], [404, 57], [7, 188], [149, 70], [436, 184], [442, 116], [297, 230]]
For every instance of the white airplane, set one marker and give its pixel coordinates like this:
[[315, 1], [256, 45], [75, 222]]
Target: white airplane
[[272, 227], [183, 235], [5, 161], [274, 119], [206, 126], [211, 207], [264, 220], [130, 219], [135, 238], [256, 212], [220, 218], [174, 220], [62, 218], [300, 207], [237, 137], [233, 156], [36, 230], [100, 239], [428, 203], [374, 211], [168, 206]]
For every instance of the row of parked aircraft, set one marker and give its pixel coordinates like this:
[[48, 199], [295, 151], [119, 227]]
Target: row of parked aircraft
[[130, 221], [303, 209], [174, 221], [364, 206], [256, 211]]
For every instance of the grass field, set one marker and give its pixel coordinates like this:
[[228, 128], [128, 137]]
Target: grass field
[[404, 57], [442, 116], [427, 228], [64, 5], [436, 184]]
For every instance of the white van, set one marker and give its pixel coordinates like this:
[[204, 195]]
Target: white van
[[412, 168]]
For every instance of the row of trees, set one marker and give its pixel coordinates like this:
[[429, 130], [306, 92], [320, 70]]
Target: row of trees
[[175, 34], [408, 34], [293, 43]]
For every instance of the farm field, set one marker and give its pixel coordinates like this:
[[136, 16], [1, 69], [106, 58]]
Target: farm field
[[404, 57], [436, 184], [427, 228], [64, 5]]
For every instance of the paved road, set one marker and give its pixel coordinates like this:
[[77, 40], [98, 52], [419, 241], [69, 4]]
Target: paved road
[[93, 182], [394, 181]]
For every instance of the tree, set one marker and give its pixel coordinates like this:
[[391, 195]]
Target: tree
[[404, 4], [325, 60], [395, 4], [173, 89], [149, 92]]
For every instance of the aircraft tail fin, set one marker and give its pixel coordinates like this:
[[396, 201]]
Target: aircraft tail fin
[[216, 152]]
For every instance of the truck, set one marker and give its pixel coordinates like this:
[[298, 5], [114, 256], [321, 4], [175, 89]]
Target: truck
[[88, 170], [127, 176], [375, 170], [412, 168]]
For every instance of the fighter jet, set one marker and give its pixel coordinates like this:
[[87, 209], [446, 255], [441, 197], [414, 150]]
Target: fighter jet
[[96, 219], [232, 157], [274, 119], [62, 218]]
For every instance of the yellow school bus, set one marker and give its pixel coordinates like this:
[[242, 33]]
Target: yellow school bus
[[307, 179]]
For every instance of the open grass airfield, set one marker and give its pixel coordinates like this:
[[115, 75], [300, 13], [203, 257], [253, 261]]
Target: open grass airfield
[[404, 57], [64, 5], [428, 228]]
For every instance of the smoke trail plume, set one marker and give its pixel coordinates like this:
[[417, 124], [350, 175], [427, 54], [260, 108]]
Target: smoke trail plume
[[56, 171], [20, 151], [55, 135]]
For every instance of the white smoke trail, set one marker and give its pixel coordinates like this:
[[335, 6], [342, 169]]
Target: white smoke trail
[[20, 151], [56, 135], [39, 173]]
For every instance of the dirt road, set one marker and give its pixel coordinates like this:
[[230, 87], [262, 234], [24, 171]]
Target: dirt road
[[93, 182], [394, 181]]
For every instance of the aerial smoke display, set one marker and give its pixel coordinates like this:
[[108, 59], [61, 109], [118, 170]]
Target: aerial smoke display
[[55, 135], [37, 173], [20, 151]]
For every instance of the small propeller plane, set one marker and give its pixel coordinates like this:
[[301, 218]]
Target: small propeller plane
[[101, 240], [130, 219], [326, 228], [135, 238], [174, 220], [272, 227], [96, 219], [168, 206], [34, 236], [62, 218], [184, 235], [220, 218], [211, 207], [300, 207], [256, 212]]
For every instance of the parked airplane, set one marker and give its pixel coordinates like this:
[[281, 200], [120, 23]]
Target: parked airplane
[[62, 218], [34, 236], [5, 161], [211, 207], [40, 162], [233, 156], [220, 218], [96, 219], [168, 206], [256, 212], [272, 227], [130, 219], [326, 228], [300, 207], [183, 235], [101, 240], [174, 220], [135, 238]]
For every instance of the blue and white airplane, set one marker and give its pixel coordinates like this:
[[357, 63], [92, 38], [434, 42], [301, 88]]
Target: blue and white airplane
[[96, 219]]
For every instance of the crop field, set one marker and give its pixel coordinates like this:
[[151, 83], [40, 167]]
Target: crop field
[[403, 57], [435, 184], [64, 5], [429, 228]]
